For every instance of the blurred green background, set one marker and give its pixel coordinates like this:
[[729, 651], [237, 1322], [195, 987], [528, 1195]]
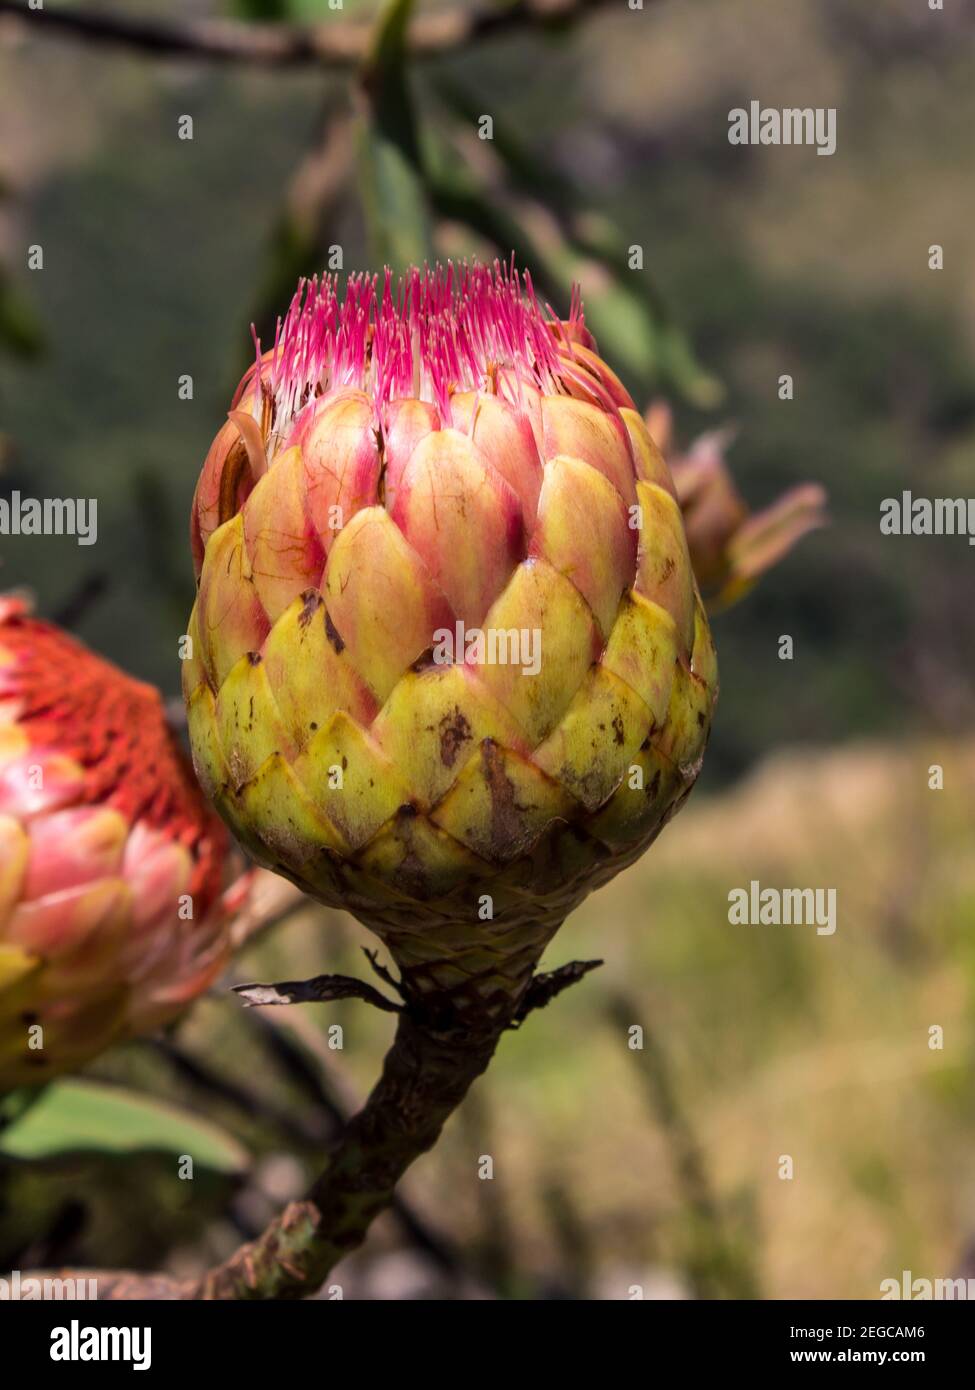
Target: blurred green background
[[613, 1169]]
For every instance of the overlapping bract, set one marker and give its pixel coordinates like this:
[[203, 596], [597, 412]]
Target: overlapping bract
[[111, 863], [396, 466]]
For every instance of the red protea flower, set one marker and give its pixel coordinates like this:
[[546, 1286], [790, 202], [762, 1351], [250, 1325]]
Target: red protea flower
[[112, 911]]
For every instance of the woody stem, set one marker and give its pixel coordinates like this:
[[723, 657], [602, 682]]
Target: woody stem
[[426, 1074]]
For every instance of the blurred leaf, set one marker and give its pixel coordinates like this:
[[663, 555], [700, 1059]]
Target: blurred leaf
[[390, 169], [20, 331], [89, 1117]]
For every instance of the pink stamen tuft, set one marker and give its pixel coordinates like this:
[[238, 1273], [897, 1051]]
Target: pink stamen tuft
[[429, 334]]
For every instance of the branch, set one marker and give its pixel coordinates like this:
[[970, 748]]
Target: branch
[[426, 1075], [337, 46], [326, 1118], [317, 1076]]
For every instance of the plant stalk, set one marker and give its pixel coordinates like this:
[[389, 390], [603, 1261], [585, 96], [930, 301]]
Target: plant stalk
[[426, 1074]]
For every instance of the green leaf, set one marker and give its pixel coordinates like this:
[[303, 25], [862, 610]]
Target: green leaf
[[390, 167], [75, 1116]]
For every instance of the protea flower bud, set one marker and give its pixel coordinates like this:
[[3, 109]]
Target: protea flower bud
[[730, 546], [111, 863], [450, 670]]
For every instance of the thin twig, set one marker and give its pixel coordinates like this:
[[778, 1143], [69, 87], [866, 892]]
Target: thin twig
[[336, 45], [316, 991], [384, 974], [545, 987]]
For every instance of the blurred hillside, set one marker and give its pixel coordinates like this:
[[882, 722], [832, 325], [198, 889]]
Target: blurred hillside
[[158, 252]]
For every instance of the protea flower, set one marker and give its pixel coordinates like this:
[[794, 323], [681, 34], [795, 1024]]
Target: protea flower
[[112, 915], [449, 667]]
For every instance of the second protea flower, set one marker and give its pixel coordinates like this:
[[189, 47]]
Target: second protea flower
[[449, 669], [112, 910]]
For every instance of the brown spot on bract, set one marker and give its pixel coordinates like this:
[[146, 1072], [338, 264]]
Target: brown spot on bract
[[332, 633], [423, 661], [667, 568], [454, 731], [506, 823], [618, 732], [254, 658], [311, 599]]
